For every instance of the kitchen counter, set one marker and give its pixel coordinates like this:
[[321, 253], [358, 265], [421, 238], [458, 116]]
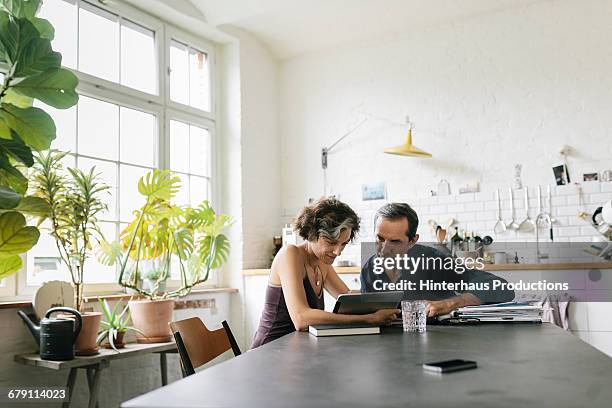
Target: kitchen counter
[[488, 267]]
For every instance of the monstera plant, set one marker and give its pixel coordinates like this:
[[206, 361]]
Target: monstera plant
[[160, 232], [29, 69]]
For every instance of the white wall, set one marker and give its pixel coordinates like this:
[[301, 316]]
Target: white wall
[[485, 93]]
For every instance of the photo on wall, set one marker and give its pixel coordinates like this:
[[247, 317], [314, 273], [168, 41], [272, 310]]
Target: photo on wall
[[590, 177], [371, 192], [561, 175]]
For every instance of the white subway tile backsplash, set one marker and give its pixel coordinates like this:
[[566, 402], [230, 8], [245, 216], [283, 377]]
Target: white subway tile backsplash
[[465, 198], [598, 198], [606, 187], [455, 208], [590, 187], [476, 206]]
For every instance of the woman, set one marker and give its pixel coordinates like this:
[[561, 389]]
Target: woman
[[294, 296]]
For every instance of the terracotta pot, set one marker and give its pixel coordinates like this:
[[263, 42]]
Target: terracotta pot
[[118, 342], [86, 341], [152, 318]]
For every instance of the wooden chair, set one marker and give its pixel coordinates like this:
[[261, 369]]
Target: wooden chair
[[197, 345]]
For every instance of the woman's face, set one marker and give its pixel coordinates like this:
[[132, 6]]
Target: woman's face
[[326, 250]]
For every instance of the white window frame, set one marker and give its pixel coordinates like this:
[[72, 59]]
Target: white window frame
[[159, 105]]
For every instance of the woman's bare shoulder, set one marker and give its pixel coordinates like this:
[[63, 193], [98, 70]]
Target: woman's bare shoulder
[[287, 255]]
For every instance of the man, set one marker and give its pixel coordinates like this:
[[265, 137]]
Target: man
[[396, 237]]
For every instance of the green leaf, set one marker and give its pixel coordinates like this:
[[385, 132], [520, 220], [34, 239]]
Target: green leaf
[[11, 176], [8, 198], [17, 150], [32, 206], [214, 251], [15, 236], [44, 28], [16, 34], [159, 184], [33, 125], [20, 8], [55, 87], [38, 56], [17, 99], [10, 265]]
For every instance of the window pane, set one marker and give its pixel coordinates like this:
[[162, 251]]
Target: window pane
[[179, 146], [98, 128], [199, 80], [182, 197], [43, 260], [98, 43], [179, 73], [138, 62], [63, 15], [198, 190], [65, 124], [129, 197], [108, 175], [95, 272], [138, 137], [199, 151]]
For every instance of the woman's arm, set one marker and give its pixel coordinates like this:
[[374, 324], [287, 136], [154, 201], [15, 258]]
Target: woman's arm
[[333, 284], [290, 272]]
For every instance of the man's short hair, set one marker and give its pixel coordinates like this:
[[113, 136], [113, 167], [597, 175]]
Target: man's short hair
[[397, 211]]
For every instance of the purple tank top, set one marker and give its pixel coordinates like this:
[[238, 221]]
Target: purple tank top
[[275, 321]]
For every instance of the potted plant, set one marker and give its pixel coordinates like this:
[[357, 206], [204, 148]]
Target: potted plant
[[29, 69], [160, 233], [115, 326], [75, 200]]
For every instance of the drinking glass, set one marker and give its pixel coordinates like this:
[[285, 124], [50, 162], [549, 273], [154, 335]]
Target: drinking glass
[[414, 317]]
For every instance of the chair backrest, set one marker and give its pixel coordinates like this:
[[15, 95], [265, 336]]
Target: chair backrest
[[197, 345]]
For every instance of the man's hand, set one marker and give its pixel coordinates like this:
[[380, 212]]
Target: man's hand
[[442, 307], [439, 307]]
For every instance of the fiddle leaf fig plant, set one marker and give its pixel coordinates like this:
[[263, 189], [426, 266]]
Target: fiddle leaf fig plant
[[162, 231], [29, 70]]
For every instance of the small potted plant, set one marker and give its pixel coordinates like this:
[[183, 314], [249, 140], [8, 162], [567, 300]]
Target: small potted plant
[[115, 326], [75, 199], [163, 232]]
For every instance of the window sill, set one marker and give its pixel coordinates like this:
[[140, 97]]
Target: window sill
[[17, 304]]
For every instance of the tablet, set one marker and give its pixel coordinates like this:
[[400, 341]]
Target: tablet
[[364, 303]]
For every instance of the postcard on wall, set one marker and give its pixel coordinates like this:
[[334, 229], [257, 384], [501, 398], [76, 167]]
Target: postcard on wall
[[375, 191]]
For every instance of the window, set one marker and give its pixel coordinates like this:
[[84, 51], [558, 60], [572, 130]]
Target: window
[[103, 44], [189, 150], [129, 119], [189, 76]]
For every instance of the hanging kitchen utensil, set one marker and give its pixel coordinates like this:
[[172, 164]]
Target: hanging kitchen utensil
[[542, 221], [499, 227], [443, 188], [582, 214], [512, 225], [528, 225], [553, 220]]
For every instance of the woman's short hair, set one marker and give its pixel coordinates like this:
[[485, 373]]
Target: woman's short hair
[[327, 217]]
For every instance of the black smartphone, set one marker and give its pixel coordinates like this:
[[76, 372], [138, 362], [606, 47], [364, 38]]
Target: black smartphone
[[450, 366]]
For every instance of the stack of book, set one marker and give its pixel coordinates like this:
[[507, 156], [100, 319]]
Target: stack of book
[[498, 312]]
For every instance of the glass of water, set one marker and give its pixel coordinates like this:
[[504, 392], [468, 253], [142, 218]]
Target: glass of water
[[414, 316]]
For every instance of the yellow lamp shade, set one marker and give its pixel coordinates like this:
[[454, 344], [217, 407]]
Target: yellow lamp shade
[[408, 149]]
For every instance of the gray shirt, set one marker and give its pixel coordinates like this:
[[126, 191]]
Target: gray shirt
[[482, 282]]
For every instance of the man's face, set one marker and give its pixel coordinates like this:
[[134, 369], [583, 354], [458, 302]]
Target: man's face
[[392, 238]]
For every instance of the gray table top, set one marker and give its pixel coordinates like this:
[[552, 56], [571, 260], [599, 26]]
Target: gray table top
[[526, 365]]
